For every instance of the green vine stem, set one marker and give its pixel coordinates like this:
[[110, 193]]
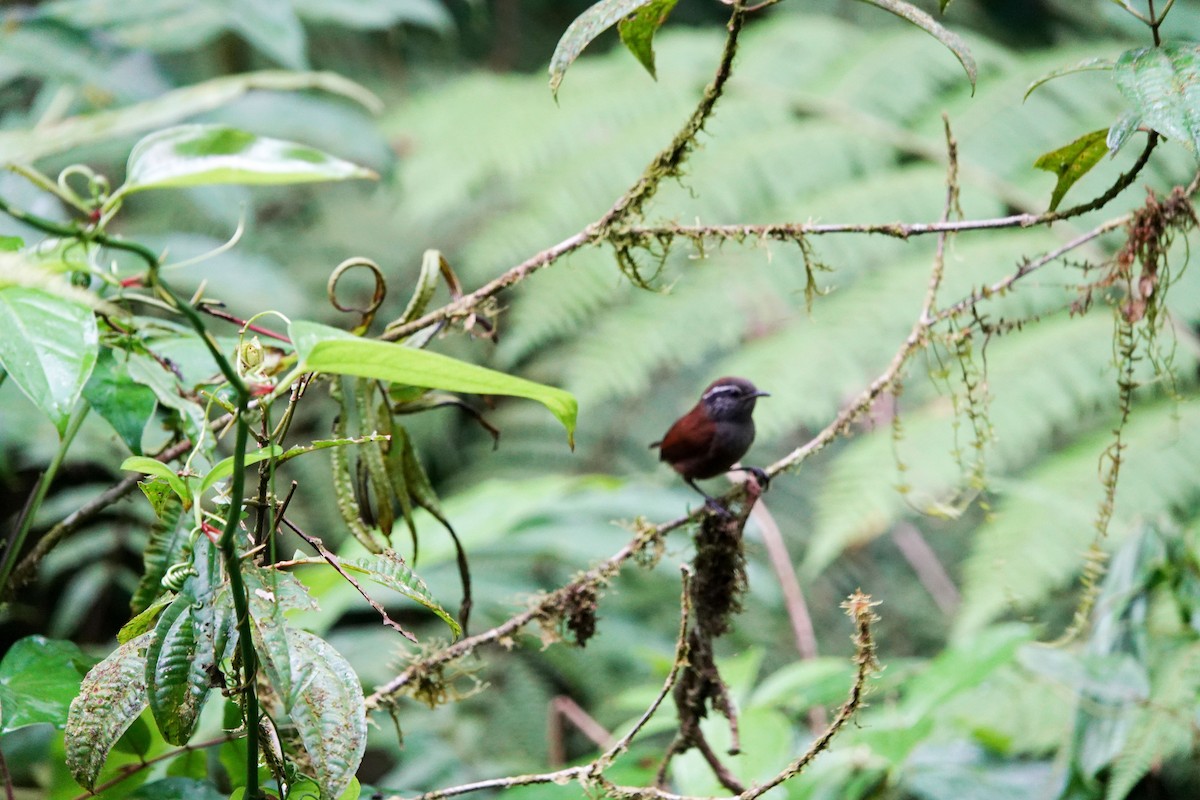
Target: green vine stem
[[242, 393], [29, 513]]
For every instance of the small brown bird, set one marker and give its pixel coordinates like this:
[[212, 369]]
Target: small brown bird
[[709, 439]]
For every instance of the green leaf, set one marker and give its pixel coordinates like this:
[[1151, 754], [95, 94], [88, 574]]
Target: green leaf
[[11, 244], [1072, 161], [586, 27], [144, 621], [49, 348], [389, 570], [111, 697], [951, 40], [274, 29], [1121, 130], [963, 667], [637, 31], [375, 14], [126, 404], [157, 469], [328, 711], [26, 146], [325, 349], [178, 788], [202, 155], [183, 650], [1163, 83], [38, 679], [224, 468], [168, 540], [270, 634], [1086, 65]]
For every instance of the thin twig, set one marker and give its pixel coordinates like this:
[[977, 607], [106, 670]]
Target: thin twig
[[591, 773], [925, 564], [563, 707], [333, 561], [859, 607], [132, 769], [793, 598], [82, 515]]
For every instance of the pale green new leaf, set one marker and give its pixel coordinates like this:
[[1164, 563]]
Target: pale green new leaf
[[224, 468], [951, 40], [49, 348], [201, 155], [111, 697], [25, 146], [1163, 83], [157, 469], [586, 27], [328, 711], [325, 349]]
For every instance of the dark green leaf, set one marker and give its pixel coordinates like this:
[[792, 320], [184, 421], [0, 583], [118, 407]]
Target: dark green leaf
[[1163, 83], [137, 740], [177, 788], [168, 539], [182, 651], [325, 349], [200, 155], [48, 347], [38, 679], [586, 27], [1072, 161], [637, 31], [328, 711], [931, 26], [111, 697], [125, 403]]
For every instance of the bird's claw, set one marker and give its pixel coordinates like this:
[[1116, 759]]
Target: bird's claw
[[760, 475], [714, 505]]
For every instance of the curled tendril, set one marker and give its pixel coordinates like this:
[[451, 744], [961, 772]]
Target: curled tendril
[[366, 314], [98, 187], [225, 246]]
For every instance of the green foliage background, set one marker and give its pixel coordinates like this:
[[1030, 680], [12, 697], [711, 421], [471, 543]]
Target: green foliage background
[[832, 115]]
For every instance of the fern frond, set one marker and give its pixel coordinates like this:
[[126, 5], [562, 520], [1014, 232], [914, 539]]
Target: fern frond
[[1035, 543], [1163, 727]]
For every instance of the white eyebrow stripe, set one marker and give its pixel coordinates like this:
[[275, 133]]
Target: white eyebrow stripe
[[727, 388]]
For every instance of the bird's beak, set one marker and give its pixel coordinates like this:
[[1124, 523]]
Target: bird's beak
[[760, 393]]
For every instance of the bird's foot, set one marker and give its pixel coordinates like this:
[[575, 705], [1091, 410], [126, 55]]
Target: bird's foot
[[714, 505], [761, 476]]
